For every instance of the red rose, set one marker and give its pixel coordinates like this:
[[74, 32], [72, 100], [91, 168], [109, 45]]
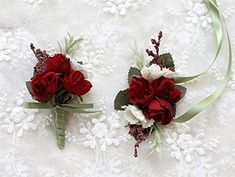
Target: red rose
[[76, 83], [58, 64], [44, 86], [140, 91], [165, 88], [159, 110]]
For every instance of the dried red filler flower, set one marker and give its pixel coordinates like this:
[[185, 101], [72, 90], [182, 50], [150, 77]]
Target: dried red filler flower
[[156, 57], [41, 56], [140, 135]]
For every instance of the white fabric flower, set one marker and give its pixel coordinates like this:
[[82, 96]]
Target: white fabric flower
[[154, 72], [135, 116]]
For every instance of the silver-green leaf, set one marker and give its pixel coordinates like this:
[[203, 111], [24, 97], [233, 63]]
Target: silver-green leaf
[[133, 72], [122, 99], [168, 61]]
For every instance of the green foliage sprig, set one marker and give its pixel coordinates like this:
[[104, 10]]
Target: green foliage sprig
[[70, 45]]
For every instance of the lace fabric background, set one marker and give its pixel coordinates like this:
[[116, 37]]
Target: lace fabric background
[[98, 145]]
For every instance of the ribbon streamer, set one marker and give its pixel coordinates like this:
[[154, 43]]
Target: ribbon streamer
[[75, 108], [197, 108], [219, 38]]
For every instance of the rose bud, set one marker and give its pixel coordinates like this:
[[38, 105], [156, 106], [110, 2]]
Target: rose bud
[[159, 110], [165, 88], [44, 86], [58, 64], [140, 91], [75, 82]]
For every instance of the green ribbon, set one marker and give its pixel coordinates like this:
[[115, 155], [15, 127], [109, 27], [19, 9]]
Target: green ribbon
[[75, 108], [219, 37], [197, 108]]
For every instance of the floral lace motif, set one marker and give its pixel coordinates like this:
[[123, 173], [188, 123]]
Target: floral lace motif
[[119, 7]]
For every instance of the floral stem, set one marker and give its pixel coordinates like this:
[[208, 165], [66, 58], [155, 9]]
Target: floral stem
[[60, 127]]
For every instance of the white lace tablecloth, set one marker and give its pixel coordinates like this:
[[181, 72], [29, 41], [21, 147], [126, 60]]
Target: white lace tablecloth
[[98, 145]]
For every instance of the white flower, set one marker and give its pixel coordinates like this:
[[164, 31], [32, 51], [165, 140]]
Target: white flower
[[99, 130], [17, 114], [154, 72], [200, 9], [135, 116]]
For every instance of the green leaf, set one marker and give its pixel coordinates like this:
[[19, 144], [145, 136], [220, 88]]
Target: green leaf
[[168, 61], [78, 106], [138, 54], [173, 105], [78, 110], [61, 51], [28, 85], [140, 61], [70, 44], [36, 105], [156, 138], [122, 99], [133, 72], [182, 90]]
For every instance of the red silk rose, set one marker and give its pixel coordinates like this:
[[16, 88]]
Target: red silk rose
[[76, 83], [165, 88], [155, 98], [58, 64], [159, 110], [44, 86], [140, 91]]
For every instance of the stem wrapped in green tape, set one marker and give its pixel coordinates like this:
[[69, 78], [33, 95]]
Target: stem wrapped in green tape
[[60, 112], [60, 126]]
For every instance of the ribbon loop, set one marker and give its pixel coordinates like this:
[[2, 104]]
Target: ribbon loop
[[197, 108], [215, 14]]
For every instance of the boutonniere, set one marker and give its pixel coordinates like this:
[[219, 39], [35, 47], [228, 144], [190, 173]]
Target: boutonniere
[[58, 86], [150, 101]]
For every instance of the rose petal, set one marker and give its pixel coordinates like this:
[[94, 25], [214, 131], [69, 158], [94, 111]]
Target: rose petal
[[84, 87], [155, 105], [58, 64]]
